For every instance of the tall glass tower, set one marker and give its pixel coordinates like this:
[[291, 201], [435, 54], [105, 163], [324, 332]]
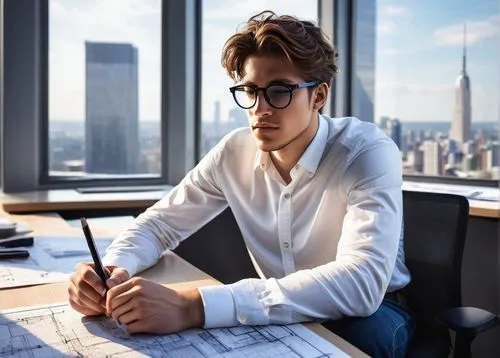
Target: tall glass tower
[[111, 108]]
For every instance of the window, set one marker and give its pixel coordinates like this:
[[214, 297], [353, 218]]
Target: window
[[104, 88], [427, 73], [221, 18]]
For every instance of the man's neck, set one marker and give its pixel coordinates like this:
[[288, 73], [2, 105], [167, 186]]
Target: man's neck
[[286, 158], [283, 164]]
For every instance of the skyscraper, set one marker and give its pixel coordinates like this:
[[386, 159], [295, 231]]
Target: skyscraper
[[394, 131], [111, 108], [384, 120], [460, 126], [238, 117], [433, 158]]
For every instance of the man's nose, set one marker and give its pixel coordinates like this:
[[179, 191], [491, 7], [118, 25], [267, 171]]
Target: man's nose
[[261, 106]]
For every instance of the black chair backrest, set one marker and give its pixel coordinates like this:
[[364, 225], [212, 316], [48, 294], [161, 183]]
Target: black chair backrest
[[435, 228]]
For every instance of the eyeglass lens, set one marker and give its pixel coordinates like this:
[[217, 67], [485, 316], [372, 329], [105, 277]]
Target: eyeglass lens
[[277, 96]]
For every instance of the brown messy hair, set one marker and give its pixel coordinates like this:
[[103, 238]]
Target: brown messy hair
[[300, 42]]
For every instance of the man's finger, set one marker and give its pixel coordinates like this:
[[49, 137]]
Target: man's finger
[[125, 314], [88, 275], [121, 310], [99, 305], [119, 290], [81, 287], [121, 299], [81, 300], [118, 276], [84, 310]]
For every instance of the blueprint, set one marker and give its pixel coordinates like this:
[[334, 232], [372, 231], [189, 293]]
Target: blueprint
[[59, 331], [51, 259]]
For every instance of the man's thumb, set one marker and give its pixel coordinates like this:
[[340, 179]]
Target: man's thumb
[[118, 275]]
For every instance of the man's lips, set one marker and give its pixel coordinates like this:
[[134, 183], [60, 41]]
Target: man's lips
[[264, 126]]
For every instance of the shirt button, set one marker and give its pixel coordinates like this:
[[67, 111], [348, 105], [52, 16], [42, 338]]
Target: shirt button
[[297, 167], [287, 196], [286, 245]]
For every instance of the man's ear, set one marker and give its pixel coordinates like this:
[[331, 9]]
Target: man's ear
[[319, 99]]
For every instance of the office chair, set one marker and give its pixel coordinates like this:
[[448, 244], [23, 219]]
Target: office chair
[[435, 228]]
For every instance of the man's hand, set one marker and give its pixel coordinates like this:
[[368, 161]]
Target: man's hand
[[145, 306], [86, 291]]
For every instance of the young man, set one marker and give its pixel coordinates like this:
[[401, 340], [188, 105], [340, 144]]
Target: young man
[[318, 201]]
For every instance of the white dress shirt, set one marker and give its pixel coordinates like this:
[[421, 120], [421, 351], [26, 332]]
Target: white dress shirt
[[327, 245]]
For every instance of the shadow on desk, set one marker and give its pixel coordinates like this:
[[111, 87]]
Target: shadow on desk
[[19, 341]]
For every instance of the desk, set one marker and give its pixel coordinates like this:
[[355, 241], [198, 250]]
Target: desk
[[171, 270], [478, 208], [70, 199]]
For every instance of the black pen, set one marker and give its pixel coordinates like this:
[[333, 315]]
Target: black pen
[[99, 268], [93, 251]]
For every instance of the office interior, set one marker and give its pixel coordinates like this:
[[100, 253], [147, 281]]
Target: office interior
[[40, 173]]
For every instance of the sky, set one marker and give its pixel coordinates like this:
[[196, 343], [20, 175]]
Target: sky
[[418, 52], [419, 56]]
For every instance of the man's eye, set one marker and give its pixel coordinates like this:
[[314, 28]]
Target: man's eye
[[249, 92], [278, 91]]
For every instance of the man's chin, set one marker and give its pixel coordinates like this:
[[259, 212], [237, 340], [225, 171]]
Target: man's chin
[[266, 146]]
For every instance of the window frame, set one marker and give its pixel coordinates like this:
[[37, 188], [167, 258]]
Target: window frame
[[335, 19], [25, 123], [1, 91]]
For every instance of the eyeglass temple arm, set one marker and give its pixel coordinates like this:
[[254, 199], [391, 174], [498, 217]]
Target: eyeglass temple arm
[[307, 84]]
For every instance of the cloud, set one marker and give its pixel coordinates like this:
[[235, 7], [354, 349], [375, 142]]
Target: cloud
[[385, 27], [385, 23], [414, 101], [394, 10], [237, 12], [410, 50], [415, 88], [390, 51], [432, 102], [476, 31]]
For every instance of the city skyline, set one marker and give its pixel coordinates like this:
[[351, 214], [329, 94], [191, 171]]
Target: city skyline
[[403, 55], [420, 143]]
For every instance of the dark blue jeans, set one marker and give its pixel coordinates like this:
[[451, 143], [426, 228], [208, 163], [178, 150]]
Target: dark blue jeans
[[386, 333]]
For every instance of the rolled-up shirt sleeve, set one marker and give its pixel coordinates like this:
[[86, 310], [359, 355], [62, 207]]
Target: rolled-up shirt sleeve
[[352, 285]]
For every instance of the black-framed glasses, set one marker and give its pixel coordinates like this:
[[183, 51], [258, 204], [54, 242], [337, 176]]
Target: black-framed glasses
[[277, 95]]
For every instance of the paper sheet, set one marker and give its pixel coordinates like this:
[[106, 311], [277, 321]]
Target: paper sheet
[[52, 259], [471, 192], [106, 221], [59, 331]]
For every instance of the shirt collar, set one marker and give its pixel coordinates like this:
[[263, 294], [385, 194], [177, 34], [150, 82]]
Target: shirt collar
[[262, 160], [310, 158]]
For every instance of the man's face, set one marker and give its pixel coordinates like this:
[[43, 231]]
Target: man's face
[[275, 128]]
